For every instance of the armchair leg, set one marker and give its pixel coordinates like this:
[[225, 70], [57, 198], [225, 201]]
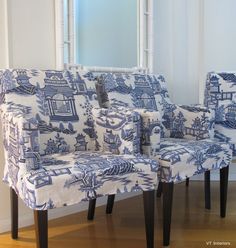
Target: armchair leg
[[91, 210], [159, 190], [110, 203], [14, 214], [41, 228], [207, 185], [168, 189], [187, 182], [148, 201], [224, 173]]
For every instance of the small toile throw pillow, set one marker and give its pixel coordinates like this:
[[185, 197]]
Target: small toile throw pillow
[[117, 130]]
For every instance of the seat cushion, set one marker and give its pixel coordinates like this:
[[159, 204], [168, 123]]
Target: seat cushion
[[180, 159], [226, 134], [74, 177]]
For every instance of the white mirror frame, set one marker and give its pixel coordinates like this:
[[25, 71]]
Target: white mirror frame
[[145, 38]]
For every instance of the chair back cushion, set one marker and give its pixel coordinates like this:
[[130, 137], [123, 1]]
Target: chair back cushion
[[61, 101], [144, 91], [220, 94]]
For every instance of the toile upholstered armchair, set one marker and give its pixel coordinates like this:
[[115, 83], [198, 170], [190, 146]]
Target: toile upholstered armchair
[[186, 147], [220, 95], [61, 149]]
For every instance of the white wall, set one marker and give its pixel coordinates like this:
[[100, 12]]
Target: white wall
[[3, 35], [193, 37], [219, 35], [31, 33], [176, 36]]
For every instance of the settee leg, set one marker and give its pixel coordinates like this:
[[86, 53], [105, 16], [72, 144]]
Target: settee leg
[[207, 187], [159, 190], [110, 203], [91, 209], [14, 213], [148, 202], [168, 189], [41, 228], [224, 173], [187, 182]]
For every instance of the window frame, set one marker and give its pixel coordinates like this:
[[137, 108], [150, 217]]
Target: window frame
[[145, 38]]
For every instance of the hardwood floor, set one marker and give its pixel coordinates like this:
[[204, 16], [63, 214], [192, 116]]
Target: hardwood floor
[[192, 225]]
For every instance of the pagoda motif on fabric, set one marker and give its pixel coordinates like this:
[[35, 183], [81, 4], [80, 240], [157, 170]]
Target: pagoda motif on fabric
[[25, 87], [230, 115], [148, 129], [80, 87], [111, 142], [158, 89], [216, 94], [177, 129], [199, 128], [31, 140], [81, 144], [60, 98], [58, 145], [143, 94], [120, 85], [13, 152], [168, 116]]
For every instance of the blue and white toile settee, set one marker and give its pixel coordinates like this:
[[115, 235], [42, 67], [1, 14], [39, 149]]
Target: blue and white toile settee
[[61, 149], [186, 148], [220, 95]]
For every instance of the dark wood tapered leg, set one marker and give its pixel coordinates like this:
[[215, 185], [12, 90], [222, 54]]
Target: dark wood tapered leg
[[148, 202], [41, 228], [187, 182], [159, 190], [168, 189], [224, 173], [207, 187], [91, 210], [14, 213], [110, 203]]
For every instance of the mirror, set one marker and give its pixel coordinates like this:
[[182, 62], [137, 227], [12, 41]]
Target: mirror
[[106, 33]]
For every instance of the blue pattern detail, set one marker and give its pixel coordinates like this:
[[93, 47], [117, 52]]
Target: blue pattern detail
[[180, 158], [220, 95]]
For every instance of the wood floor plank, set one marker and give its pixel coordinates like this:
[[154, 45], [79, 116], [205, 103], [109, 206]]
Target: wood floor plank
[[192, 224]]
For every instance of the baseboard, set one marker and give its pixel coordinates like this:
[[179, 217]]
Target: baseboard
[[27, 220]]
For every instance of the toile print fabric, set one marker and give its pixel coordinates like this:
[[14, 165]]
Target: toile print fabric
[[149, 92], [185, 148], [220, 95], [180, 159], [48, 125], [150, 131], [66, 179], [118, 130]]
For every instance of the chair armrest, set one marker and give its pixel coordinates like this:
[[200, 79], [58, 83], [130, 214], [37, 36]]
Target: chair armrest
[[198, 121], [21, 137], [150, 131], [117, 130]]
